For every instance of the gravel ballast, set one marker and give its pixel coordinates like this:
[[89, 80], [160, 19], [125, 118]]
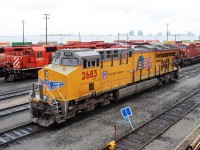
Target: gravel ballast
[[93, 130]]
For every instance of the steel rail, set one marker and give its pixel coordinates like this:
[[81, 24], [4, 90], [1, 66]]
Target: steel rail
[[14, 109], [156, 126], [19, 132], [13, 94]]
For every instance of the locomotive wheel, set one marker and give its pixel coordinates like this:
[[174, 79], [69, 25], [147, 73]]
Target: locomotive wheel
[[89, 107], [9, 77], [105, 102], [71, 114]]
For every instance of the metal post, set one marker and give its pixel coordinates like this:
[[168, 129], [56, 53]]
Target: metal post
[[118, 38], [129, 120], [167, 30], [46, 17], [23, 21], [127, 37]]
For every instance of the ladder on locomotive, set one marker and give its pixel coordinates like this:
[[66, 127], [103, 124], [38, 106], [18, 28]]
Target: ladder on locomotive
[[59, 115]]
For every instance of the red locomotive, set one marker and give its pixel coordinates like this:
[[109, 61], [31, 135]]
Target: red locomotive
[[22, 62], [189, 53]]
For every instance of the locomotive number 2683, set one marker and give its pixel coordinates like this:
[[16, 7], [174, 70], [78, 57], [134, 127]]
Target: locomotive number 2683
[[89, 74]]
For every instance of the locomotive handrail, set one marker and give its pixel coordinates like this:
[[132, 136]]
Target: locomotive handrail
[[49, 92], [191, 136], [63, 99]]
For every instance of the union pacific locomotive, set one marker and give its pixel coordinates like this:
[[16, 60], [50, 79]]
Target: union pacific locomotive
[[82, 79]]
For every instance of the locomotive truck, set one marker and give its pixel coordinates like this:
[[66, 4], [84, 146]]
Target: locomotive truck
[[82, 79]]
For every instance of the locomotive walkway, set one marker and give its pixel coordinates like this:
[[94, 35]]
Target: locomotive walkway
[[155, 127]]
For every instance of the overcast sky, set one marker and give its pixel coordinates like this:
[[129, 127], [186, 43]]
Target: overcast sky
[[99, 16]]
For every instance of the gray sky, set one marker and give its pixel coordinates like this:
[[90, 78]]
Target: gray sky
[[99, 16]]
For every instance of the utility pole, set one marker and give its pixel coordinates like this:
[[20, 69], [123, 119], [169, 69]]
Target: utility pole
[[199, 36], [167, 30], [23, 21], [46, 17]]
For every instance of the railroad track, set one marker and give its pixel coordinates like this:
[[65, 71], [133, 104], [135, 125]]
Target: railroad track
[[14, 93], [146, 133], [14, 109], [19, 132]]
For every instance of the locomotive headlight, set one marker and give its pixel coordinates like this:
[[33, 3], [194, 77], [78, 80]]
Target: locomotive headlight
[[46, 73], [45, 98]]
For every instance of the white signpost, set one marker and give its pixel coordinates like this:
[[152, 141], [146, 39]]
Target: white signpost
[[126, 113]]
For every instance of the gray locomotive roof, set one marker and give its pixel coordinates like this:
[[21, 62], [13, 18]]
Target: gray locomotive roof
[[171, 46], [75, 50], [87, 53], [155, 47]]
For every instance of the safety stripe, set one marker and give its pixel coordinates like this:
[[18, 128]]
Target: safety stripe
[[16, 63]]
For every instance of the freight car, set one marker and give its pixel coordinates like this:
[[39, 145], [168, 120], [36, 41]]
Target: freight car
[[80, 80], [189, 53], [25, 61]]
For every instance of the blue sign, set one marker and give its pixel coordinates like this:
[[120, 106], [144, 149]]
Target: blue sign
[[126, 112], [52, 85]]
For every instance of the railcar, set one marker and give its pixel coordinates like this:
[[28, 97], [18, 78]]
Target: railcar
[[82, 79]]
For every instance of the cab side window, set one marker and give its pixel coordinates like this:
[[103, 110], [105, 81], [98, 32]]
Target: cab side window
[[39, 55], [90, 63], [84, 63]]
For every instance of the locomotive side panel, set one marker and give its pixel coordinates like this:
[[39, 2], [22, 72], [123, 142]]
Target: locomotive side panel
[[144, 65], [117, 72]]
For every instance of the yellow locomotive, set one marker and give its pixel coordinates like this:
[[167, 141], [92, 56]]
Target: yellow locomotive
[[82, 79]]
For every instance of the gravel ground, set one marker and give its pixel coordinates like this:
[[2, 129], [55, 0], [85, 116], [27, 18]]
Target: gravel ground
[[15, 119], [93, 130], [13, 101]]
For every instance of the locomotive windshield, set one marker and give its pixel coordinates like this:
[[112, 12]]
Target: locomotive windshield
[[56, 61], [65, 61], [69, 62], [65, 58]]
